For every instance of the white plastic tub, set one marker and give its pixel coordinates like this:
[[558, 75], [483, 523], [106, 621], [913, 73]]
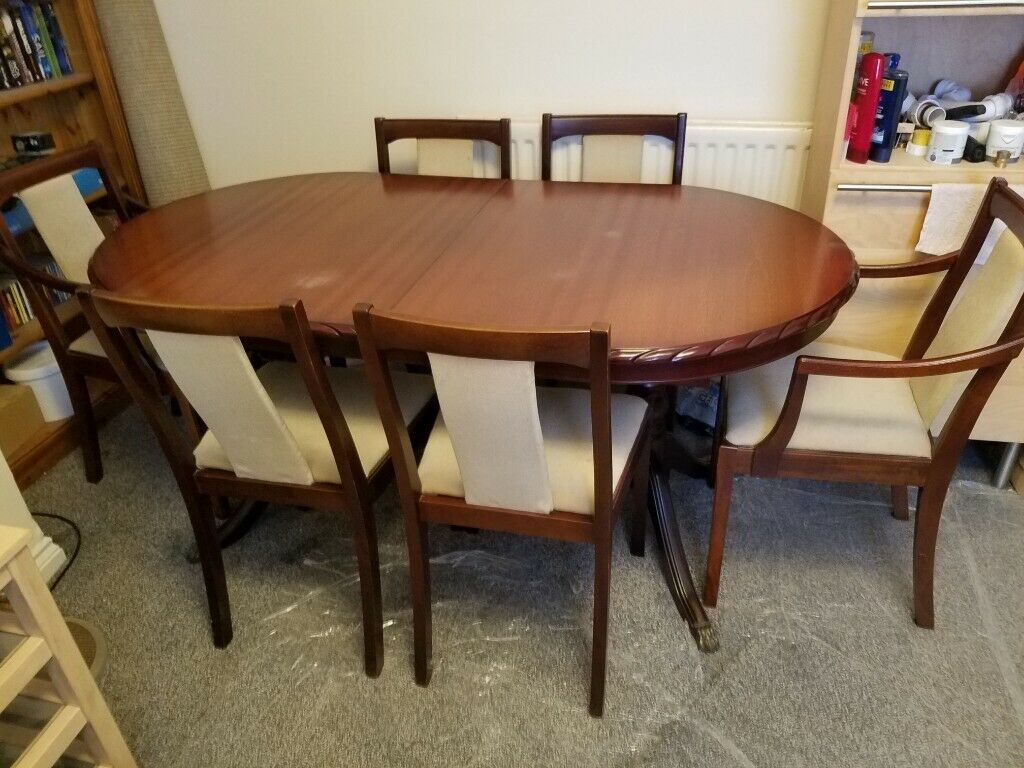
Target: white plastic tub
[[36, 367]]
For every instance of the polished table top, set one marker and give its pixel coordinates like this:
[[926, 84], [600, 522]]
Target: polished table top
[[694, 282]]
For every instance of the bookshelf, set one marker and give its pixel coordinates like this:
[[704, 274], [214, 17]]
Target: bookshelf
[[77, 108], [878, 209]]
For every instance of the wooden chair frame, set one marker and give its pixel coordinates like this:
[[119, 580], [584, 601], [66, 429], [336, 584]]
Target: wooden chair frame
[[671, 127], [62, 326], [773, 458], [573, 354], [117, 322], [497, 132]]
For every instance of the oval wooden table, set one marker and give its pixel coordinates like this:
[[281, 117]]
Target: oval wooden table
[[695, 283]]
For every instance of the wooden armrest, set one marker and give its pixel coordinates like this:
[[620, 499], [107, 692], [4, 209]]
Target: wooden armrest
[[768, 452], [911, 268], [905, 369]]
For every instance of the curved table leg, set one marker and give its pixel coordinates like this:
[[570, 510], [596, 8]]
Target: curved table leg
[[666, 526]]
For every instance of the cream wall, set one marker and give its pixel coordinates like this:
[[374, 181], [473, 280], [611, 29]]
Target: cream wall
[[277, 88]]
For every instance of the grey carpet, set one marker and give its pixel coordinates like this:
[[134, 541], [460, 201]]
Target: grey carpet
[[820, 662]]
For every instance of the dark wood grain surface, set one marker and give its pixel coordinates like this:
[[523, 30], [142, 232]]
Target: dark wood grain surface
[[694, 282]]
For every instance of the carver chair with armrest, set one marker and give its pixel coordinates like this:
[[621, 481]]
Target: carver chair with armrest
[[71, 233], [839, 413], [507, 455], [613, 144], [297, 433], [445, 147]]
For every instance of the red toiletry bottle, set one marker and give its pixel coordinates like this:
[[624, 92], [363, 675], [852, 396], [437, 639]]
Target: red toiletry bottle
[[869, 85]]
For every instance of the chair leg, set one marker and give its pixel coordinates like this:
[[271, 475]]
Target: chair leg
[[719, 526], [900, 502], [599, 659], [926, 532], [88, 432], [204, 527], [369, 586], [638, 520], [419, 572]]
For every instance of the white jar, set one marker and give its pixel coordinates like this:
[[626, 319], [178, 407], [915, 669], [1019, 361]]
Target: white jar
[[949, 139], [37, 367], [1005, 136]]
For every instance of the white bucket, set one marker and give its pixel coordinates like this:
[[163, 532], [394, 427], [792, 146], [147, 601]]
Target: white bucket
[[37, 367]]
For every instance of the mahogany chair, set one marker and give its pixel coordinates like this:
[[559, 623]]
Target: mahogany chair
[[613, 144], [297, 433], [71, 233], [445, 147], [837, 413], [507, 455]]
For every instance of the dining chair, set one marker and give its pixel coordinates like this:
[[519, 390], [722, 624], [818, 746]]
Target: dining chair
[[445, 147], [70, 232], [837, 413], [507, 455], [298, 433], [613, 144]]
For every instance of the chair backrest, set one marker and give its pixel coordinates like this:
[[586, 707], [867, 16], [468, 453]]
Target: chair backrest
[[613, 144], [58, 209], [445, 147], [969, 312], [202, 351], [486, 388]]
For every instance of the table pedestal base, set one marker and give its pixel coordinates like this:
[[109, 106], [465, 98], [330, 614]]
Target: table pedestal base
[[667, 455]]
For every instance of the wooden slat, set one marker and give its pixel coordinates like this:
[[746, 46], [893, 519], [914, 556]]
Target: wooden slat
[[21, 666], [10, 625], [20, 736], [53, 740]]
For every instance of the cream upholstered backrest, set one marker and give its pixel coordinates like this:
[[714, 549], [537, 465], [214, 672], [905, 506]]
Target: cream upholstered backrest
[[490, 410], [977, 319], [215, 375], [67, 226], [613, 159], [444, 157]]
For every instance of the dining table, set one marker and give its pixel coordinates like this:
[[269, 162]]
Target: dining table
[[695, 283]]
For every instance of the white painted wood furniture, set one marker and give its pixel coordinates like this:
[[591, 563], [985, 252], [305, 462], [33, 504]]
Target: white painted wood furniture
[[82, 726]]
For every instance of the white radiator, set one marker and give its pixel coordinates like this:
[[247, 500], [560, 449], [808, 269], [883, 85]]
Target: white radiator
[[765, 160]]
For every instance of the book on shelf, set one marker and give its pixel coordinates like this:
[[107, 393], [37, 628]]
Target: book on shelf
[[14, 303], [32, 44], [14, 60], [25, 45], [57, 40], [28, 21]]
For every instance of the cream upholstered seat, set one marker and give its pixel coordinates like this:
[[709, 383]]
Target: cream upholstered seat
[[567, 445], [290, 398], [87, 344], [839, 414]]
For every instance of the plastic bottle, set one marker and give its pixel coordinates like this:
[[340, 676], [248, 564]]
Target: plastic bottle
[[869, 85], [890, 107]]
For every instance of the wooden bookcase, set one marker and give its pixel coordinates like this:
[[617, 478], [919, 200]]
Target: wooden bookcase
[[878, 209], [78, 108], [81, 107]]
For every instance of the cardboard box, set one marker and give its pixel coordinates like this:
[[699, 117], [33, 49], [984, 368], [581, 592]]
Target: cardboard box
[[20, 417]]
